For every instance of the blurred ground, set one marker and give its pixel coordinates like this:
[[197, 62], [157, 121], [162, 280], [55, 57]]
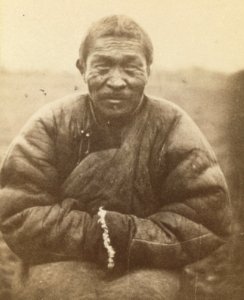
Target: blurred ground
[[214, 101]]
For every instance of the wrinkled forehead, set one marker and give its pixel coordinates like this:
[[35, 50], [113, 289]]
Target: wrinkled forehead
[[117, 47]]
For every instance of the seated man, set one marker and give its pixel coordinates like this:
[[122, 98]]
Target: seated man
[[108, 195]]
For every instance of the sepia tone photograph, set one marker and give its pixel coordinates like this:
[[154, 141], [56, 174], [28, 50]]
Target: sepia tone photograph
[[121, 150]]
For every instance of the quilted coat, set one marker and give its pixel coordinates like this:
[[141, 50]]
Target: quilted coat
[[154, 174]]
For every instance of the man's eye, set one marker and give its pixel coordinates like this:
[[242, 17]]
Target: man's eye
[[102, 67], [130, 69]]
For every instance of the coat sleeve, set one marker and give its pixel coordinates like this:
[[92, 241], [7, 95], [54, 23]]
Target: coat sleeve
[[37, 224], [194, 218]]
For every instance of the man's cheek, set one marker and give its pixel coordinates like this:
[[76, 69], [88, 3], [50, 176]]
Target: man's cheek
[[138, 84], [138, 80], [95, 81], [94, 77]]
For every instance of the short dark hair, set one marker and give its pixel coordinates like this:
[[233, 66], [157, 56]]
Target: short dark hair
[[116, 26]]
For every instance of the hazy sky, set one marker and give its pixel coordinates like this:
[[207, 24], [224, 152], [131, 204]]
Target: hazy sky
[[45, 34]]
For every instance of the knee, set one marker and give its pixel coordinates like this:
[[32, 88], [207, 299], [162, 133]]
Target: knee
[[144, 284], [59, 280]]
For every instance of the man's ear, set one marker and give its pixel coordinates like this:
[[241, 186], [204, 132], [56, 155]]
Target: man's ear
[[80, 66]]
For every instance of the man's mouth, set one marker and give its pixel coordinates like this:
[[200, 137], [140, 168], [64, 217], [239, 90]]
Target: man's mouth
[[115, 101], [115, 97], [115, 104]]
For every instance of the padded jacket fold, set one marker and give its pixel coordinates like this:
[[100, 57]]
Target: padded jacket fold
[[156, 176]]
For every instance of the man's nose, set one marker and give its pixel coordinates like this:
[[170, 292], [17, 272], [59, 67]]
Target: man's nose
[[116, 80]]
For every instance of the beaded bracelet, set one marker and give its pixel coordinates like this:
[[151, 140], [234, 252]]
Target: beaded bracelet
[[106, 240]]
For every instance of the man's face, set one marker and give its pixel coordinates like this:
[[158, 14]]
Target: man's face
[[116, 73]]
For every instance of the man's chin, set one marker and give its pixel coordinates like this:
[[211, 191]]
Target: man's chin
[[110, 108], [113, 113]]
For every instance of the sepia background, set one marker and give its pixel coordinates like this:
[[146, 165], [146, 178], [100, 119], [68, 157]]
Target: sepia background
[[198, 64]]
